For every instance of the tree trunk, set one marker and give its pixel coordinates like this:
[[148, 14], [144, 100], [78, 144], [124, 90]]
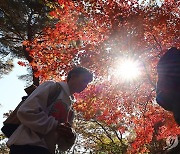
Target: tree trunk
[[34, 70], [26, 53]]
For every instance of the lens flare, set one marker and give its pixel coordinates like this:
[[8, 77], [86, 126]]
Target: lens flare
[[127, 69]]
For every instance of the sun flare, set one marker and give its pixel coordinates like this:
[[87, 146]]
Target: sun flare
[[127, 69]]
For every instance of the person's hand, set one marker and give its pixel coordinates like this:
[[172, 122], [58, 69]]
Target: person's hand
[[65, 130], [66, 136]]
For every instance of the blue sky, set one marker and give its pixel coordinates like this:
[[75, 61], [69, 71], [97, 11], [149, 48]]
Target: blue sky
[[11, 90]]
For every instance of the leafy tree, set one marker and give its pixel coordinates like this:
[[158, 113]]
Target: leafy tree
[[5, 66], [97, 137], [3, 147], [21, 20], [100, 35]]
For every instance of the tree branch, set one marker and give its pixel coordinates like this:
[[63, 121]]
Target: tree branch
[[16, 30], [107, 134], [148, 76], [29, 27], [119, 138], [157, 43]]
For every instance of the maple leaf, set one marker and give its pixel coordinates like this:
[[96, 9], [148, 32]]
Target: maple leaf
[[21, 63]]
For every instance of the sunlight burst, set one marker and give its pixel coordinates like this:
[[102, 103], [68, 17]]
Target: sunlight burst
[[127, 70]]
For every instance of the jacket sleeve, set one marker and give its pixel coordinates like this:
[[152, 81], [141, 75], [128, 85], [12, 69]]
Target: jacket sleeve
[[32, 113]]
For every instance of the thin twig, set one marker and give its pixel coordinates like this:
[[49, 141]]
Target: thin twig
[[158, 43], [108, 135]]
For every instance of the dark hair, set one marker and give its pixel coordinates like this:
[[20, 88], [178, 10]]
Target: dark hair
[[80, 70], [168, 84], [168, 69]]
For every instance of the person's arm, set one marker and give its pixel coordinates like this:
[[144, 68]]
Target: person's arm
[[32, 112]]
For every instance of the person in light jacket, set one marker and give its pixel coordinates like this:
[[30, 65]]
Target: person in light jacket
[[45, 123]]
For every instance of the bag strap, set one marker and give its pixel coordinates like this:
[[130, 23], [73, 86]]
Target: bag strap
[[53, 98], [55, 95]]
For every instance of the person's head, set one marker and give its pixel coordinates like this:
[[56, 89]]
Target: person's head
[[168, 85], [78, 79]]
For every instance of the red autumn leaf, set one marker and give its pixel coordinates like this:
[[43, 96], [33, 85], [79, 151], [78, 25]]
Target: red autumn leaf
[[21, 63]]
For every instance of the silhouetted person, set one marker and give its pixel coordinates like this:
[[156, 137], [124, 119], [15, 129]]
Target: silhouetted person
[[168, 85], [45, 124]]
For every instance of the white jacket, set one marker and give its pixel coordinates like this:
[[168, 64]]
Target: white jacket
[[37, 127]]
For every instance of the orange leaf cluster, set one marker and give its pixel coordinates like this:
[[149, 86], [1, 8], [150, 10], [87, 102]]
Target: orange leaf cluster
[[21, 63]]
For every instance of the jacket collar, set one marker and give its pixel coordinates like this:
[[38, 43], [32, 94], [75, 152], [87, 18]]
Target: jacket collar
[[65, 86]]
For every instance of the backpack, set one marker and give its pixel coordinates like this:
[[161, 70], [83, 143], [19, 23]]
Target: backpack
[[12, 122], [168, 84]]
